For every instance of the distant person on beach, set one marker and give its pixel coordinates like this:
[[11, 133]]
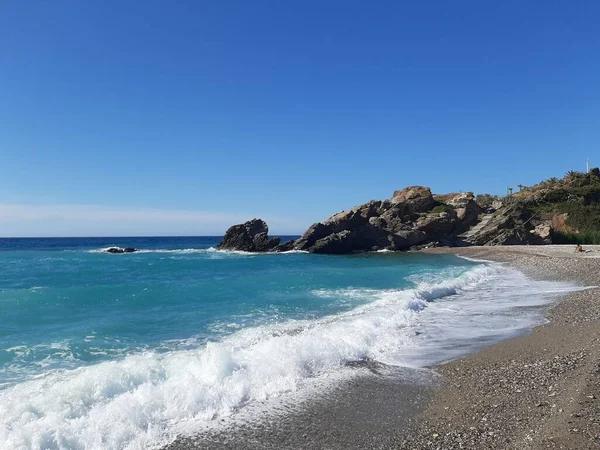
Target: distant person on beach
[[578, 248]]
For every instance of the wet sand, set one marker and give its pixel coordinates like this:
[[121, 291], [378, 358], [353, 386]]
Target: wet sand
[[356, 414], [537, 391]]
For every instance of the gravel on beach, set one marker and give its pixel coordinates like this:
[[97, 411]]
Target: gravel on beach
[[537, 391]]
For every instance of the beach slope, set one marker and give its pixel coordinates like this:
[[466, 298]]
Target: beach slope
[[537, 391]]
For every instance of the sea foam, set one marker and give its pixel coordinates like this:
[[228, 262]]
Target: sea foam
[[184, 251], [140, 400]]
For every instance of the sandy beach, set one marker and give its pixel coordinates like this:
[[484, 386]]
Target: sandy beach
[[536, 391]]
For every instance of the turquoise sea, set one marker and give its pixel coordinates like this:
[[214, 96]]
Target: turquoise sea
[[118, 351]]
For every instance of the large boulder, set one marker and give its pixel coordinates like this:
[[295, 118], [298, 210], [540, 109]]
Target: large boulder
[[544, 231], [416, 198], [466, 208], [437, 225], [251, 236], [405, 239]]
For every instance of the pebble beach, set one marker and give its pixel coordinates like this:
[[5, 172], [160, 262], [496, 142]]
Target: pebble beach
[[536, 391]]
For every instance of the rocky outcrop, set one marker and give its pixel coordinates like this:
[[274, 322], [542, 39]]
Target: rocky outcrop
[[555, 209], [467, 209], [251, 236], [412, 217], [120, 250], [512, 224], [284, 247], [415, 198]]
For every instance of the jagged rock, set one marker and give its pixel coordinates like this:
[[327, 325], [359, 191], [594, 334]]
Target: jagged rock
[[437, 225], [497, 204], [412, 218], [284, 247], [466, 208], [120, 250], [262, 242], [251, 236], [404, 239], [336, 243], [544, 231], [416, 198], [404, 221], [510, 225]]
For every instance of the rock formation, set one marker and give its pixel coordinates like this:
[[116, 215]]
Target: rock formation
[[512, 224], [412, 217], [553, 210], [251, 236], [120, 250]]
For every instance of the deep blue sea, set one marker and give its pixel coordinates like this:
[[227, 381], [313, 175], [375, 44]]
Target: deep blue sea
[[118, 351]]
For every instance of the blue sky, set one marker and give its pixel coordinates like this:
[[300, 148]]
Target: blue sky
[[155, 117]]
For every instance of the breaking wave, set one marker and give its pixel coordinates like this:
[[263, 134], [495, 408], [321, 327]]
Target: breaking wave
[[138, 401]]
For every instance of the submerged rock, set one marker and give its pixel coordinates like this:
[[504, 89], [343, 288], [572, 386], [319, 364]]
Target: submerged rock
[[251, 236]]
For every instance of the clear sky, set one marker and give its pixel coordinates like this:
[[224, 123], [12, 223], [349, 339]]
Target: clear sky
[[170, 118]]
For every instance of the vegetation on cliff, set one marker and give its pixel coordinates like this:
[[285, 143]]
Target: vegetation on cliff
[[570, 204]]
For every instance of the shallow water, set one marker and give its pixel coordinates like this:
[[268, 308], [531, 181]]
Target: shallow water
[[119, 351]]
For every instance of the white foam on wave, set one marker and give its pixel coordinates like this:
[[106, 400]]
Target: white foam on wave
[[158, 250], [139, 401], [241, 252], [183, 251]]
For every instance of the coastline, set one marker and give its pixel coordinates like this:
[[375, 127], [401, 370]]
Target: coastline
[[539, 390]]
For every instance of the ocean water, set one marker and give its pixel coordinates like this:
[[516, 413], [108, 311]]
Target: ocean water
[[104, 351]]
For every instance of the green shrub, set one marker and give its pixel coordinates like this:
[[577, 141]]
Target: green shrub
[[556, 196], [484, 200], [583, 237]]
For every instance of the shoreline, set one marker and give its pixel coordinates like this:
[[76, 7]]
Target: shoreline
[[538, 390]]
